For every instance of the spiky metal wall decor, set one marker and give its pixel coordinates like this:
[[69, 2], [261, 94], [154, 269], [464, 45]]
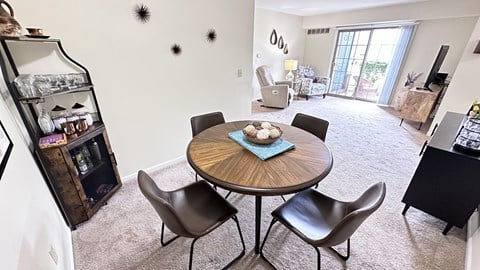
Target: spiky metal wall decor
[[211, 35], [142, 13], [176, 49], [285, 49]]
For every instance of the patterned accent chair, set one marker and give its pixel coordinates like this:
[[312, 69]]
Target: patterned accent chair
[[276, 94], [310, 84]]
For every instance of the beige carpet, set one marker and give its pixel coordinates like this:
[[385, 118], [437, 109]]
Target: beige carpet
[[368, 146]]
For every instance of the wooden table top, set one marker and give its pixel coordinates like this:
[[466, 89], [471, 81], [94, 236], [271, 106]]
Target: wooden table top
[[222, 161]]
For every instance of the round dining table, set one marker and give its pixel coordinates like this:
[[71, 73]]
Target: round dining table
[[225, 163]]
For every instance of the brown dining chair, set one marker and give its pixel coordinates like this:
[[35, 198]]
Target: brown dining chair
[[322, 221], [192, 211], [201, 122], [312, 124]]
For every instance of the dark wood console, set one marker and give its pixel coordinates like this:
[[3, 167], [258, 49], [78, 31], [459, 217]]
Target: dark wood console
[[445, 184]]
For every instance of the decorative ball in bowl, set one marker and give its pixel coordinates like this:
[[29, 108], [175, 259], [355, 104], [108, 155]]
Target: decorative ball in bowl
[[262, 132]]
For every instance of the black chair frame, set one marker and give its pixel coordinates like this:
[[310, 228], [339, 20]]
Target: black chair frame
[[319, 258], [195, 239]]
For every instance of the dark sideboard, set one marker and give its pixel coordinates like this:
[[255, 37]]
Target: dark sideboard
[[445, 184]]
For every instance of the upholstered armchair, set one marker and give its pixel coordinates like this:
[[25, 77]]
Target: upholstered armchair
[[311, 85], [277, 94]]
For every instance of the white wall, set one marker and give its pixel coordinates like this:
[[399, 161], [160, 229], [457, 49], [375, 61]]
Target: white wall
[[319, 50], [290, 28], [146, 94], [463, 88], [31, 222]]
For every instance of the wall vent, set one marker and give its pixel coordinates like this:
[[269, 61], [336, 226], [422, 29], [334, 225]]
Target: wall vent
[[317, 31]]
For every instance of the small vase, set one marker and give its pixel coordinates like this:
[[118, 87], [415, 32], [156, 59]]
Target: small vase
[[46, 123]]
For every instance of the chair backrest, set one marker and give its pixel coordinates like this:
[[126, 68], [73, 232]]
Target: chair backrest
[[161, 202], [264, 76], [314, 125], [357, 212], [201, 122]]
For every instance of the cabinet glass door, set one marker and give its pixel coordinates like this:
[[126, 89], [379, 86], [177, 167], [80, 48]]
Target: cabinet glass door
[[94, 168]]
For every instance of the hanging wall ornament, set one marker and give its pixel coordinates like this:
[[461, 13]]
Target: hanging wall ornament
[[176, 49], [285, 49], [273, 37], [142, 13], [280, 43], [211, 35]]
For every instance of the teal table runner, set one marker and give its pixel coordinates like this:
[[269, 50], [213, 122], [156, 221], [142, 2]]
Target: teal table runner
[[261, 151]]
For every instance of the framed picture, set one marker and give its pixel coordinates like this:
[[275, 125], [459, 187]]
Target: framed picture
[[6, 146]]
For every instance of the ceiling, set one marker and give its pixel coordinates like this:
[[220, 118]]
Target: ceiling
[[314, 7]]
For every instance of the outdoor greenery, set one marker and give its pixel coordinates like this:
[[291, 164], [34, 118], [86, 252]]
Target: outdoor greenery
[[374, 70]]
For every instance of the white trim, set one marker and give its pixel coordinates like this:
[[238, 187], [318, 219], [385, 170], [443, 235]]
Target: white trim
[[160, 166], [376, 25]]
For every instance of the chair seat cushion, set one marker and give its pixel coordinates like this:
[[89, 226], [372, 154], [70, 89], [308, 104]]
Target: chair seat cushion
[[201, 208], [311, 215]]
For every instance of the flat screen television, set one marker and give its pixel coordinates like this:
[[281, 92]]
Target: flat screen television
[[434, 76]]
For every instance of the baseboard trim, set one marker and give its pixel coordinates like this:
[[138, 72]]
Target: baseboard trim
[[160, 166]]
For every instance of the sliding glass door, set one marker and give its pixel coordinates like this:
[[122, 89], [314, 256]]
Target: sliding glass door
[[362, 58]]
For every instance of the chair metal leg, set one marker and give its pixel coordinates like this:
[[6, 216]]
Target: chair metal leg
[[196, 177], [161, 237], [231, 262], [343, 256], [228, 194], [263, 244], [273, 266], [319, 258], [283, 198]]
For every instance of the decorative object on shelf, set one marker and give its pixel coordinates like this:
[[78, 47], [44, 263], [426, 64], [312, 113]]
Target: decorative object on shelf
[[176, 49], [6, 146], [69, 129], [211, 35], [290, 65], [52, 140], [95, 150], [468, 139], [24, 85], [35, 33], [280, 43], [411, 78], [285, 49], [82, 112], [59, 116], [9, 27], [81, 125], [46, 123], [273, 37], [142, 13], [262, 133]]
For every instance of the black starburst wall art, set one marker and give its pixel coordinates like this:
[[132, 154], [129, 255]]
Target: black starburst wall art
[[142, 13], [176, 49], [211, 35]]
